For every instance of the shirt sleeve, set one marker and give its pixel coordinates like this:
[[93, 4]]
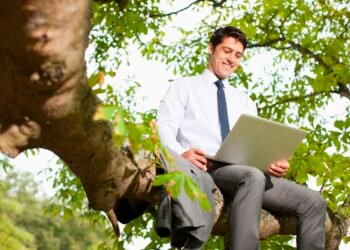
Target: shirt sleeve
[[171, 114], [252, 110]]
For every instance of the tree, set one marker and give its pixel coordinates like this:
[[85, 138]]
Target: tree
[[47, 101], [11, 235], [26, 223]]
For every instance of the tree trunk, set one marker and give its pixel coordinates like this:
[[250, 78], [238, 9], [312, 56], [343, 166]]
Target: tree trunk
[[45, 102]]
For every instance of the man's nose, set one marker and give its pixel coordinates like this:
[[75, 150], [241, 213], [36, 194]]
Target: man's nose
[[231, 58]]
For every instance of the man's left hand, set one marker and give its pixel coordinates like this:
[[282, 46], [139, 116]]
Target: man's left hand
[[279, 168]]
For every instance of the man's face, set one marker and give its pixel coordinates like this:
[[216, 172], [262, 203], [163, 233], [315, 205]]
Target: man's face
[[226, 57]]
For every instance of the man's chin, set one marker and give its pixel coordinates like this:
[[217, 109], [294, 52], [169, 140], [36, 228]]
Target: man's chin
[[225, 75]]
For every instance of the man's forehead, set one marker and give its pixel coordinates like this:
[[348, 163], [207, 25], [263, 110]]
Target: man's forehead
[[232, 43], [232, 48]]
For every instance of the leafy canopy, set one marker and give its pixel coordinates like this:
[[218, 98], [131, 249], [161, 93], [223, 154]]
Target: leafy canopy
[[305, 45]]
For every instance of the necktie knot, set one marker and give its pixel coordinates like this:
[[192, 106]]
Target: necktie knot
[[219, 84]]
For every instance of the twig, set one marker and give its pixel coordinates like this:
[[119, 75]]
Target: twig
[[176, 12], [297, 98]]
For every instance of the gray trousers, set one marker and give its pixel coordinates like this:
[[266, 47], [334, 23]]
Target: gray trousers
[[246, 188]]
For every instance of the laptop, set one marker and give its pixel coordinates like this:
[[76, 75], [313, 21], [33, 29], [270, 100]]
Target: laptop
[[258, 142]]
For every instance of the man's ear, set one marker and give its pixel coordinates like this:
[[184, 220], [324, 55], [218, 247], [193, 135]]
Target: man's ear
[[210, 48]]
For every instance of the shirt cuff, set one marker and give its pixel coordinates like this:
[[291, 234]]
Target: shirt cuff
[[177, 148]]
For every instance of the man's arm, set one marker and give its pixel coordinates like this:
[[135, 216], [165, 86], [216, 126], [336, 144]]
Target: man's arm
[[170, 116], [196, 156], [169, 119]]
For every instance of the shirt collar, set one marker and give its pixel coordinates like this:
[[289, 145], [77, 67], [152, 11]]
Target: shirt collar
[[211, 78]]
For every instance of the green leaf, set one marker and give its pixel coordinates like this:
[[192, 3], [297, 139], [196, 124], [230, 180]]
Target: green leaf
[[105, 112], [204, 203], [194, 192], [93, 79], [346, 239], [109, 111], [190, 187], [320, 181], [302, 177], [174, 186], [339, 124], [119, 124], [347, 123], [128, 229], [323, 83], [163, 179]]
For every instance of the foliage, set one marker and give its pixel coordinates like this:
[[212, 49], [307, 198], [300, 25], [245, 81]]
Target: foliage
[[4, 164], [11, 235], [114, 29], [177, 181], [306, 48], [215, 242], [131, 128], [143, 227], [25, 223], [307, 45], [278, 242]]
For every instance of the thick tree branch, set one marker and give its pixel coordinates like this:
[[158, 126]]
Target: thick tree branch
[[309, 53], [293, 45], [275, 223], [295, 99], [43, 79], [343, 90], [267, 43]]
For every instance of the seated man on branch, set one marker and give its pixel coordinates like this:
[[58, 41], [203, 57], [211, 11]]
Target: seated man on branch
[[194, 118]]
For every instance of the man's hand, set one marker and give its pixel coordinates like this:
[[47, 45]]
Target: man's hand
[[279, 168], [196, 156]]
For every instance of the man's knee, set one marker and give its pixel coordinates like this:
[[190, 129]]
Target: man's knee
[[320, 202], [254, 177], [315, 203]]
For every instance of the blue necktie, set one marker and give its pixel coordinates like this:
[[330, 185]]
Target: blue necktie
[[222, 109]]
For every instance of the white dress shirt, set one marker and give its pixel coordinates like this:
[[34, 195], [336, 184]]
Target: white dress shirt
[[188, 115]]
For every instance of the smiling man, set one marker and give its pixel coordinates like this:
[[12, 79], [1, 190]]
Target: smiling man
[[195, 117]]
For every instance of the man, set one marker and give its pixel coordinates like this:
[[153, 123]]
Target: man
[[193, 120]]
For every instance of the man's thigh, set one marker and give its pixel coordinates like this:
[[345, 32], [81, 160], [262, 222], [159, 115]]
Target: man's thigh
[[288, 196], [229, 177]]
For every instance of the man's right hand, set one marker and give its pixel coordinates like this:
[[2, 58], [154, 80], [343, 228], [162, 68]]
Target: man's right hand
[[196, 156]]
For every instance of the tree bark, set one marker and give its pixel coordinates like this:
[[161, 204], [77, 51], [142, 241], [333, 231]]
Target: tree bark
[[45, 102]]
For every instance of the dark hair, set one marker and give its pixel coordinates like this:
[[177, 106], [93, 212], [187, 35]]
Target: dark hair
[[228, 31]]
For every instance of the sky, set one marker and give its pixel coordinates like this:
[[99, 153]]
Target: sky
[[154, 79]]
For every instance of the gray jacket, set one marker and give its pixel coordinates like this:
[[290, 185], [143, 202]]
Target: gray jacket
[[182, 219]]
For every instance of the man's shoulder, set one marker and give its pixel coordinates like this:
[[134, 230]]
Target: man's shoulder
[[187, 81], [240, 93], [237, 91]]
